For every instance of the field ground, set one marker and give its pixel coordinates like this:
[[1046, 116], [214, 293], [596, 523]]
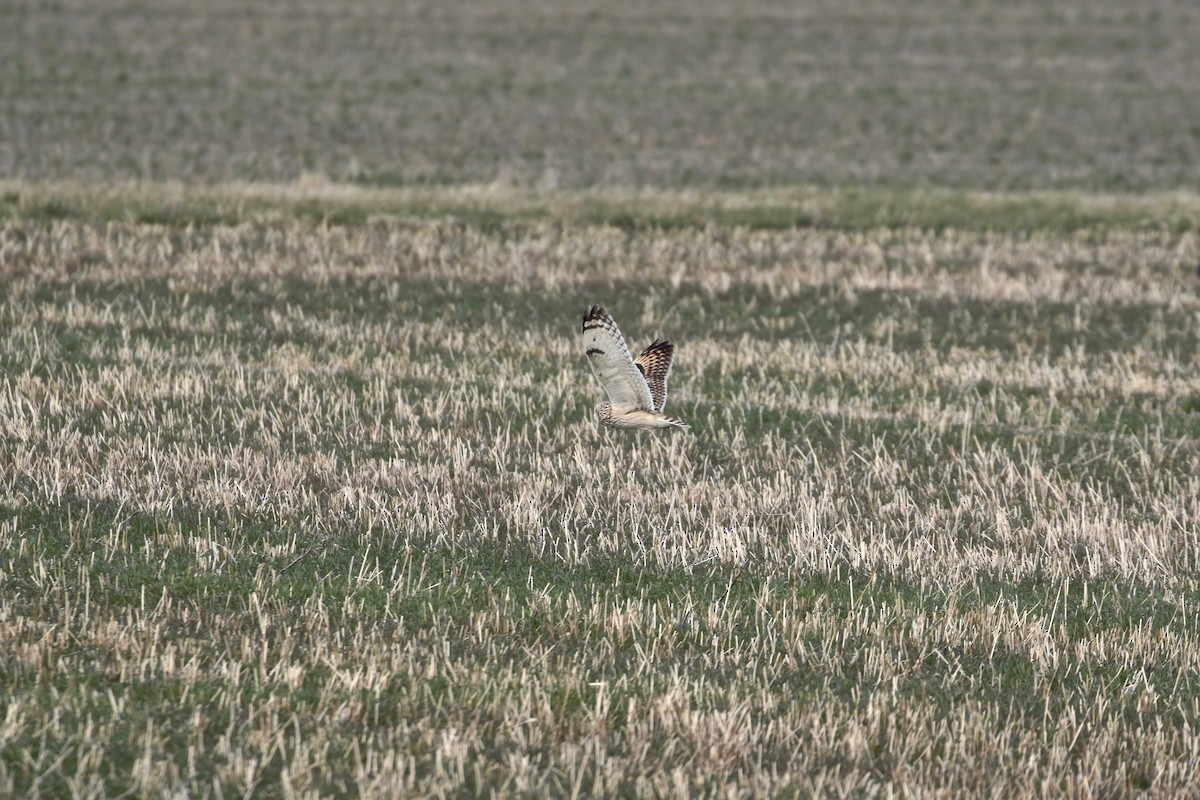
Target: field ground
[[1097, 95], [301, 495]]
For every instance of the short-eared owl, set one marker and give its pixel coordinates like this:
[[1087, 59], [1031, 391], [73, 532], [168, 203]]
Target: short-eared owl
[[637, 390]]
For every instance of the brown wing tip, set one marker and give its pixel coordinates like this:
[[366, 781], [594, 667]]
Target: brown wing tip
[[659, 347]]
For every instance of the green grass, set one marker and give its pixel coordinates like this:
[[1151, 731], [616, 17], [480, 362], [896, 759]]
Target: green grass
[[539, 605], [301, 507]]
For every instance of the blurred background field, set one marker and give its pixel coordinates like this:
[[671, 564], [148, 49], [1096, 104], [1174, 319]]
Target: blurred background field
[[1083, 95]]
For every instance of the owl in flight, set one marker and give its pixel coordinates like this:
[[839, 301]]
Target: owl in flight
[[637, 390]]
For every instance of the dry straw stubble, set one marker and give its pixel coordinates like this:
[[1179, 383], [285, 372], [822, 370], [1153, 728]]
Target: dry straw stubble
[[319, 508]]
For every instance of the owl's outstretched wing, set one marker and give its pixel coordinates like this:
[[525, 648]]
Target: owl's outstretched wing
[[655, 366], [611, 362]]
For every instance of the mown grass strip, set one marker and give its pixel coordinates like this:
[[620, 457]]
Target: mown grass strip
[[855, 208]]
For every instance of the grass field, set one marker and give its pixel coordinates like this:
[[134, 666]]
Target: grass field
[[300, 492], [302, 495], [1101, 95]]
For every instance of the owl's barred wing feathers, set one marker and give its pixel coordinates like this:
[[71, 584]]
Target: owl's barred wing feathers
[[655, 366], [612, 363]]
